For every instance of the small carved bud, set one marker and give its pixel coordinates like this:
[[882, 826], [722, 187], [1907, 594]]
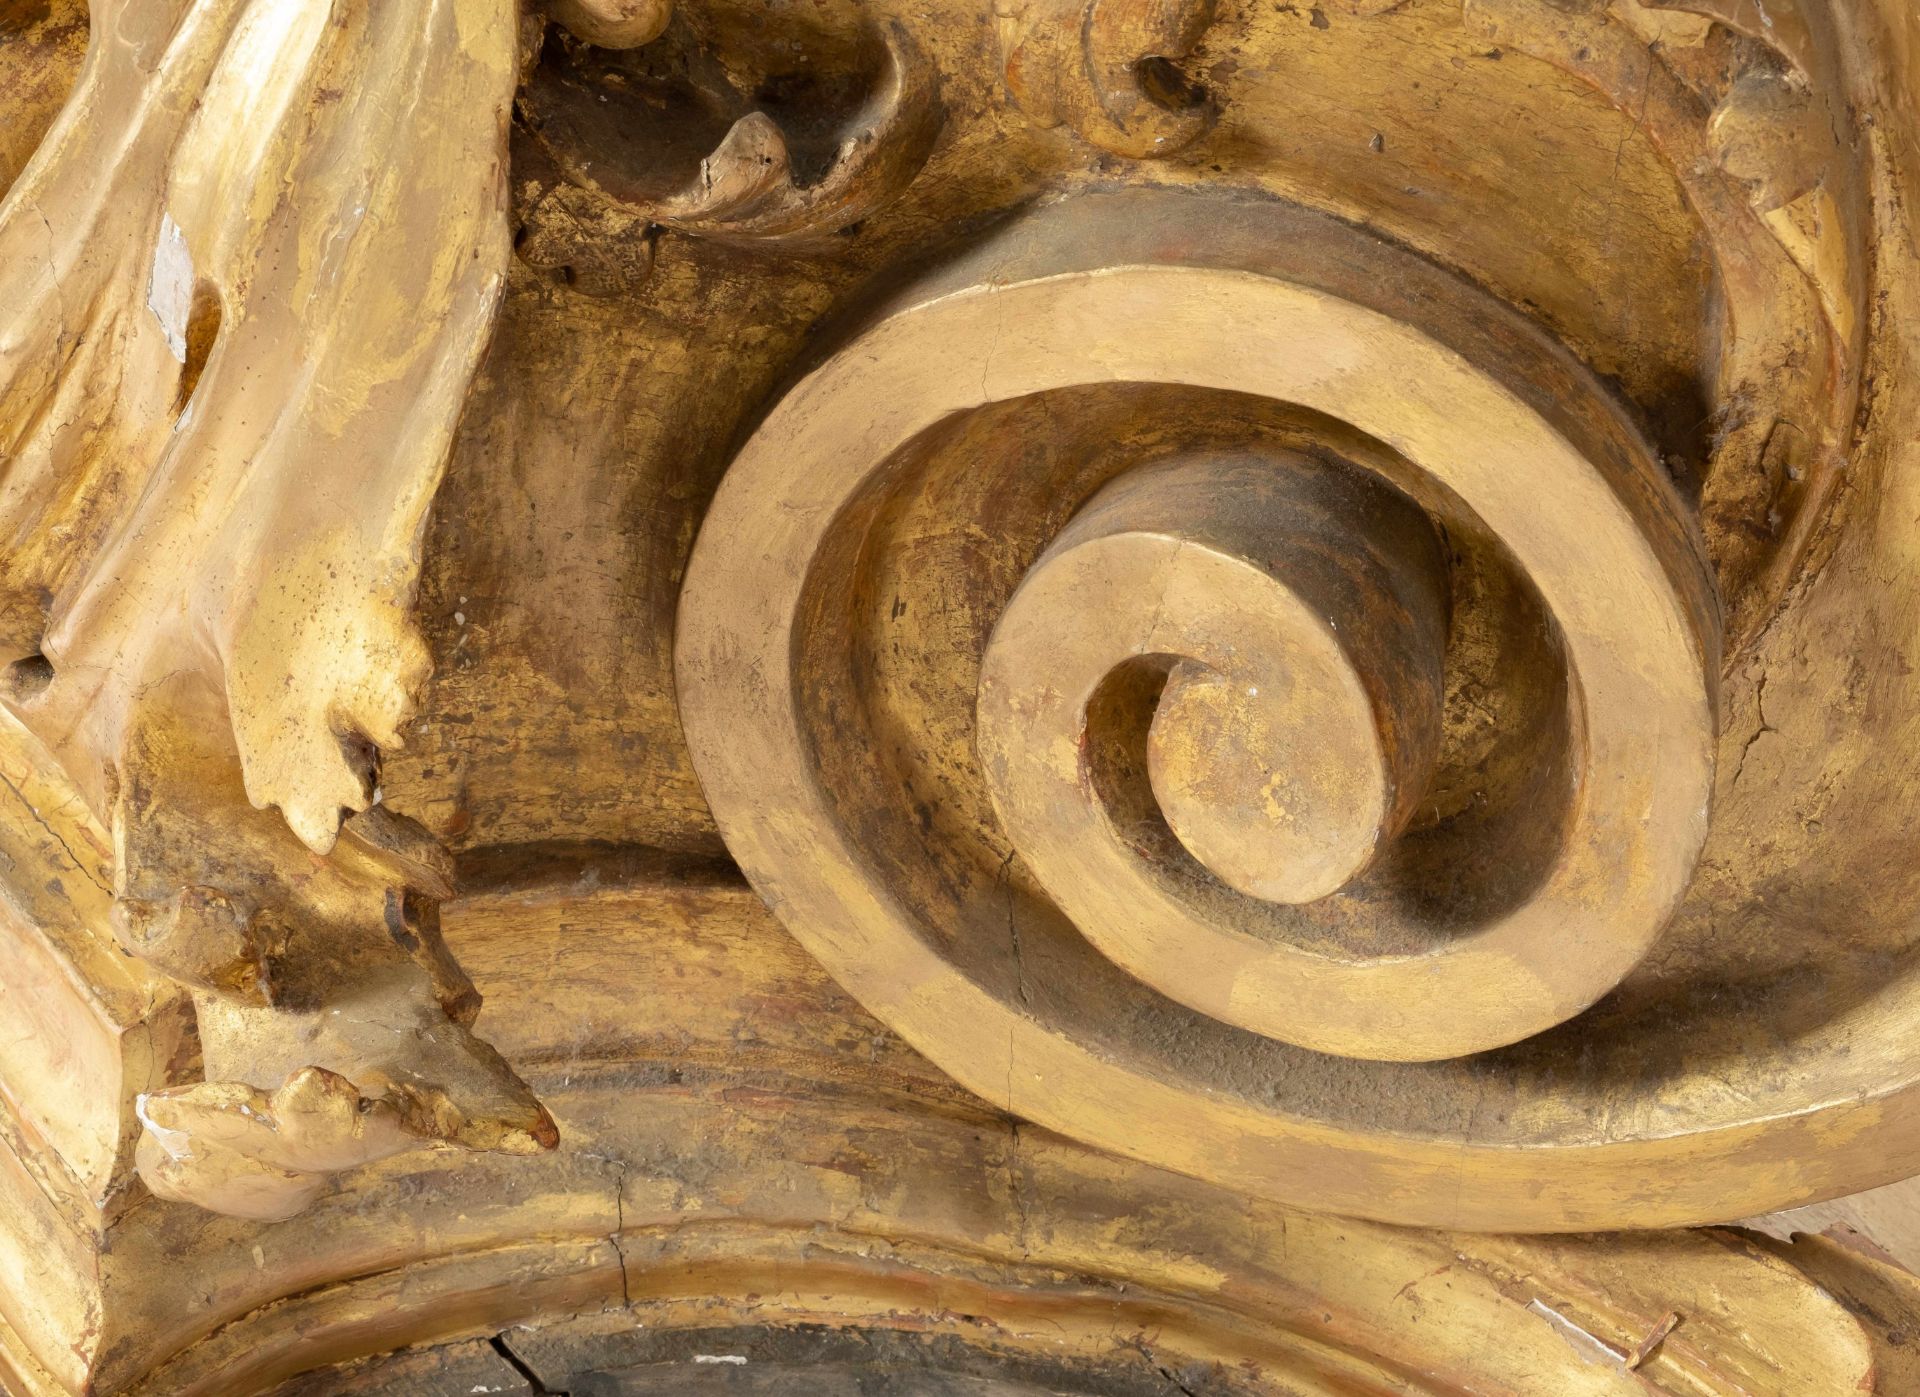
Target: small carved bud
[[613, 24]]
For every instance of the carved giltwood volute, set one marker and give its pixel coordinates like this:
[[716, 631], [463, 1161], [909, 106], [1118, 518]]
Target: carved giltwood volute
[[1304, 612], [1239, 686]]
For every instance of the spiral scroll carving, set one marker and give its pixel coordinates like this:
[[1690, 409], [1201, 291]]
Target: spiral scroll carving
[[1300, 620], [1320, 682]]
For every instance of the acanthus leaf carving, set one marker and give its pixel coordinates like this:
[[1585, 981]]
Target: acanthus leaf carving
[[246, 282]]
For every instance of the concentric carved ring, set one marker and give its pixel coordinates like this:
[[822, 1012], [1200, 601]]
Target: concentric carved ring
[[1299, 614], [1301, 722], [1230, 555], [1298, 728]]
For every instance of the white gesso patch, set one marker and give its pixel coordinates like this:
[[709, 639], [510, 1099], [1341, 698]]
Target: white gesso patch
[[170, 287], [720, 1358]]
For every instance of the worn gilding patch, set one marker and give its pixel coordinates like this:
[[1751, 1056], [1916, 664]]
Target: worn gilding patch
[[170, 287]]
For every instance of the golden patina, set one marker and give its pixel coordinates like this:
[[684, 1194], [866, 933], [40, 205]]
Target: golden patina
[[1099, 696]]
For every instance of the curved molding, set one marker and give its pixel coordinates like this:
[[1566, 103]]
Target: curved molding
[[1769, 163], [716, 1191]]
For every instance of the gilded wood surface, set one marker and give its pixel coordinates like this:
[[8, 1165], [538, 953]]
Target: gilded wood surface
[[748, 1156], [1313, 596]]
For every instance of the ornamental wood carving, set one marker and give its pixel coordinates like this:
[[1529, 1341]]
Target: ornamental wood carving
[[1026, 675]]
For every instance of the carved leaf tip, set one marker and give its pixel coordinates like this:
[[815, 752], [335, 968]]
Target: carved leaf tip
[[403, 1075]]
